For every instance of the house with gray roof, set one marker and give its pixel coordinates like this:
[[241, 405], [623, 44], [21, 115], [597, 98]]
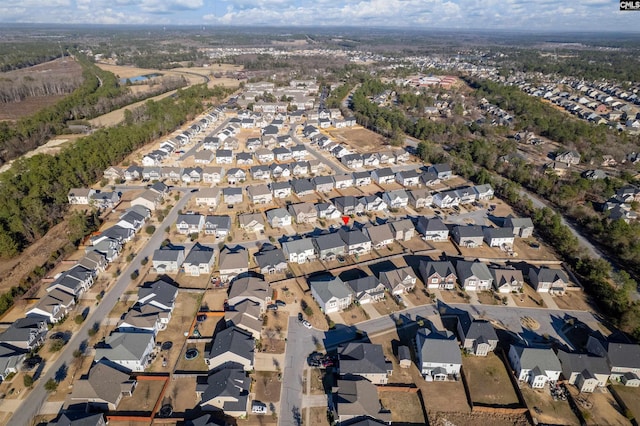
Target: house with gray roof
[[396, 199], [477, 337], [168, 259], [403, 229], [469, 236], [271, 261], [302, 187], [75, 280], [420, 198], [144, 319], [231, 348], [233, 262], [53, 306], [357, 242], [332, 294], [323, 183], [498, 237], [380, 235], [102, 388], [94, 261], [484, 192], [474, 276], [299, 251], [507, 279], [432, 229], [132, 220], [586, 372], [438, 274], [208, 197], [25, 333], [131, 351], [11, 358], [259, 194], [251, 222], [348, 205], [442, 171], [279, 218], [522, 226], [383, 176], [225, 391], [548, 280], [361, 178], [357, 398], [365, 360], [251, 288], [408, 178], [199, 261], [159, 293], [220, 226], [246, 315], [236, 175], [189, 223], [399, 281], [329, 246], [535, 366], [373, 203], [366, 289], [280, 189], [343, 181], [438, 353], [232, 195], [623, 359]]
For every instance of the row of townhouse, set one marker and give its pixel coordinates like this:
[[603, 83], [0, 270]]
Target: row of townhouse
[[171, 259], [470, 236], [92, 197]]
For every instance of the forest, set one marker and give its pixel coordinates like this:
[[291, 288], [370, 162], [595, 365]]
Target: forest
[[33, 193]]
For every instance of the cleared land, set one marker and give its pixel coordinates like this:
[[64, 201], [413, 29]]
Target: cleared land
[[405, 407], [550, 411], [488, 381], [631, 397], [360, 138], [599, 408]]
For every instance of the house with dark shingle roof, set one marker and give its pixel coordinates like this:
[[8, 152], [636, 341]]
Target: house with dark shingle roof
[[357, 242], [355, 398], [477, 337], [332, 294], [25, 333], [474, 276], [132, 351], [623, 359], [199, 260], [438, 275], [548, 280], [102, 388], [584, 371], [329, 246], [438, 354], [507, 279], [535, 366], [271, 261], [232, 348], [226, 390], [432, 229], [366, 289], [365, 360]]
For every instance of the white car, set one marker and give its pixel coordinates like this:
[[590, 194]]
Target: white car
[[306, 324]]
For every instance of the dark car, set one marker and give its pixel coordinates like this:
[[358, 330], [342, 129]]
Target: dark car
[[280, 303], [272, 307], [300, 318]]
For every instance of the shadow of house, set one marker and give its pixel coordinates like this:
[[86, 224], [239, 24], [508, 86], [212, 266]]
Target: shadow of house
[[384, 266], [575, 332]]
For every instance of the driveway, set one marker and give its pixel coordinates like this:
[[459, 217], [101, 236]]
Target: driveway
[[370, 310]]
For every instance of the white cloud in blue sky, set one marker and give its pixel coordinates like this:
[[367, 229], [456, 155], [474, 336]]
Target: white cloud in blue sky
[[544, 15]]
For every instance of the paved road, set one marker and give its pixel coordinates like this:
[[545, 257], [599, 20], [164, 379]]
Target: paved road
[[31, 405], [197, 145]]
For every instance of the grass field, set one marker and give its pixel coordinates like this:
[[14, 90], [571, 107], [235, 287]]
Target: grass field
[[551, 412], [405, 407]]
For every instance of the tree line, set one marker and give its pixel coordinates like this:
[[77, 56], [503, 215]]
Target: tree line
[[33, 193]]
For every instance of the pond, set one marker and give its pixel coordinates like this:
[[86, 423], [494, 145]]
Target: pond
[[139, 78]]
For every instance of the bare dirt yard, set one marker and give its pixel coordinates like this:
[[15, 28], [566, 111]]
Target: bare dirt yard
[[317, 416], [599, 407], [405, 407], [361, 139], [573, 300], [267, 386], [550, 411], [488, 381], [451, 418], [631, 397], [144, 396], [181, 394]]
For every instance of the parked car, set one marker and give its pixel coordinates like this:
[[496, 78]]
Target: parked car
[[307, 324], [281, 303], [300, 318], [272, 307]]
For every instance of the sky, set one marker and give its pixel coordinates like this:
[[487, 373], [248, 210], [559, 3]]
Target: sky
[[528, 15]]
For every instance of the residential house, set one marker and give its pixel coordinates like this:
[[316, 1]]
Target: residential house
[[323, 183], [160, 294], [199, 260], [204, 156], [246, 315], [225, 391], [231, 348], [102, 388], [477, 337], [189, 223], [265, 155], [429, 179], [399, 281], [53, 306], [132, 351], [280, 170], [366, 289], [208, 197], [220, 226], [622, 358], [271, 260], [232, 195], [364, 360], [442, 171], [507, 279], [300, 168], [332, 295], [396, 199], [168, 260], [259, 194], [380, 235], [438, 353], [75, 280], [356, 398], [224, 156], [348, 205], [484, 192], [299, 251], [438, 275], [144, 318], [420, 198], [251, 222], [236, 175], [522, 226], [250, 288], [468, 236], [261, 172], [233, 262], [280, 189], [282, 154], [498, 237], [279, 218], [353, 161], [373, 203], [329, 246], [432, 229], [191, 174], [80, 195], [408, 178], [149, 199], [548, 280], [474, 276], [25, 333], [133, 172], [132, 220], [584, 371], [568, 157], [302, 187], [357, 243], [403, 230], [371, 159], [299, 152], [343, 181], [446, 199], [244, 158], [327, 211], [361, 179], [303, 212], [535, 366]]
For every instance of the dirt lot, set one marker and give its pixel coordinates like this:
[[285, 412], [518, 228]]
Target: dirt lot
[[353, 315], [144, 397], [405, 407], [631, 397], [361, 139], [604, 408], [529, 298], [453, 296], [317, 416], [387, 305], [573, 300], [488, 381], [452, 418], [552, 412], [266, 386], [399, 375], [445, 396], [197, 364], [213, 299], [181, 394]]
